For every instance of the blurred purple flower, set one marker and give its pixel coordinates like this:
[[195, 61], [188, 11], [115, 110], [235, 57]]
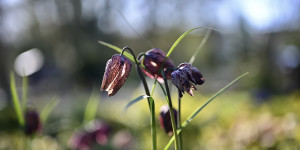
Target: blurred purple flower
[[81, 141], [116, 72], [165, 119], [184, 77], [124, 140], [32, 122], [96, 133], [100, 132], [153, 61]]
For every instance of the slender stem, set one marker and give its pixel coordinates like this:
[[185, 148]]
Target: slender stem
[[150, 99], [179, 121], [169, 101], [139, 71], [15, 99], [24, 92]]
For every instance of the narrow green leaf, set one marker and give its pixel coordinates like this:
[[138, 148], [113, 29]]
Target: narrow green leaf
[[128, 55], [182, 36], [178, 40], [15, 98], [24, 91], [203, 42], [135, 101], [49, 107], [91, 108], [192, 116]]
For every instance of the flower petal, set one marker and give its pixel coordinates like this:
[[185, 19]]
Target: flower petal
[[153, 61], [116, 72]]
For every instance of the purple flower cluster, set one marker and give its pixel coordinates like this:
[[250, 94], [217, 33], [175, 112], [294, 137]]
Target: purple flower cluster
[[118, 68]]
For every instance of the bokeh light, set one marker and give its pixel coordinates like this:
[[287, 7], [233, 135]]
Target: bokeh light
[[29, 62]]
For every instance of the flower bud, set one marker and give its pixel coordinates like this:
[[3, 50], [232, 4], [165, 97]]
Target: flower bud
[[153, 61], [184, 77], [32, 122], [116, 72], [165, 119]]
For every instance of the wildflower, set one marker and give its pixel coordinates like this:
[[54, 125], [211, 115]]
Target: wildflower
[[116, 72], [81, 141], [185, 77], [165, 119], [95, 134], [32, 122], [153, 60], [100, 131]]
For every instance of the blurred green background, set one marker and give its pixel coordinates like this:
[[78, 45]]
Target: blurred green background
[[54, 43]]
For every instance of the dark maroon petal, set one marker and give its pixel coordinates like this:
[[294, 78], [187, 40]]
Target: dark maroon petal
[[153, 61], [159, 79], [193, 73], [32, 122], [116, 72], [165, 119], [111, 71], [184, 77], [180, 80], [196, 76]]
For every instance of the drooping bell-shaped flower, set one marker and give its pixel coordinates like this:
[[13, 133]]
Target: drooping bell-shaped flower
[[153, 60], [116, 72], [185, 77], [32, 122], [165, 119]]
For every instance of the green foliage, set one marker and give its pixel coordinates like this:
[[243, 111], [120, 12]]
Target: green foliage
[[196, 112], [15, 99], [178, 40], [130, 103], [128, 55], [49, 107], [24, 91], [91, 108]]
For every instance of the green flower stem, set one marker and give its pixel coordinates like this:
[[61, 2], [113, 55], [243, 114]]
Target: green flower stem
[[169, 101], [150, 99], [24, 92], [179, 122], [196, 112], [15, 98]]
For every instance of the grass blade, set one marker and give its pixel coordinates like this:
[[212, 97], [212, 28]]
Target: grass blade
[[48, 109], [91, 108], [24, 91], [135, 101], [203, 42], [193, 115], [178, 40], [128, 55], [15, 98], [183, 35]]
